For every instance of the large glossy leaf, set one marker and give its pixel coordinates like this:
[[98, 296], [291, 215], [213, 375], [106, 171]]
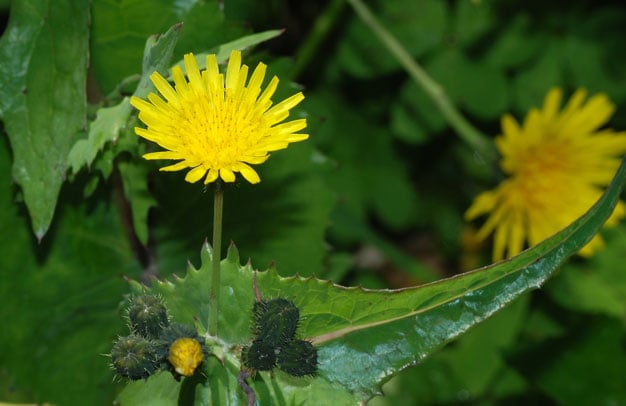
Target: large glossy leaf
[[363, 336], [43, 65]]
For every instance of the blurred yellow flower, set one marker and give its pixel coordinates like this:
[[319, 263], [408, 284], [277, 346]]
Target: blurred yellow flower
[[217, 125], [557, 163]]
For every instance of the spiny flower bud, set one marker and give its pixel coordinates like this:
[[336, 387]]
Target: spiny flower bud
[[275, 321], [134, 357], [259, 356], [297, 358], [147, 315]]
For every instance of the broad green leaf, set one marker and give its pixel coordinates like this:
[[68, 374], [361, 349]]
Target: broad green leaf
[[380, 331], [43, 72], [60, 300]]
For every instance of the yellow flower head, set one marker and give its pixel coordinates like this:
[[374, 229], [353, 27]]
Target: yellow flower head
[[217, 125], [557, 164], [185, 355]]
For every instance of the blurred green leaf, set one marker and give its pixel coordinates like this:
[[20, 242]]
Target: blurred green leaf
[[414, 117], [587, 63], [60, 297], [532, 83], [514, 45], [119, 32], [381, 331], [597, 284], [585, 366], [283, 221], [475, 87], [471, 20], [120, 28], [42, 96], [135, 180], [419, 26], [223, 51]]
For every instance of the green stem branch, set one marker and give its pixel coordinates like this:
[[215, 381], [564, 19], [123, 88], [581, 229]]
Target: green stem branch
[[466, 131], [214, 294]]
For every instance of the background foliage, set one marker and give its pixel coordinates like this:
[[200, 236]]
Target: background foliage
[[375, 198]]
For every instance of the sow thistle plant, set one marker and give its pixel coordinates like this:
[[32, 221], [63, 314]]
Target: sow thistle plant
[[234, 335]]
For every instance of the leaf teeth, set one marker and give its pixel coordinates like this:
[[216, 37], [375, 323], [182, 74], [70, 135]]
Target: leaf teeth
[[233, 253]]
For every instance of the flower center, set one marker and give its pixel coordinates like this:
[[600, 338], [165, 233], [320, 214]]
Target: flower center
[[544, 173], [219, 135]]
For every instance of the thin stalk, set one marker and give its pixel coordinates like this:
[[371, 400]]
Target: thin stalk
[[466, 131], [214, 293]]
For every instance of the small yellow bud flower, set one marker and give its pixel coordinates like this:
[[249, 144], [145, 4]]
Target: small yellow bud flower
[[185, 355]]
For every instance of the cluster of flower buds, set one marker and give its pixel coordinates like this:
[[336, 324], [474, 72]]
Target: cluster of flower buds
[[154, 344], [274, 344]]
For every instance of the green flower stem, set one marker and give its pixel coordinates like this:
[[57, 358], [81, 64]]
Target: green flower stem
[[466, 131], [214, 294]]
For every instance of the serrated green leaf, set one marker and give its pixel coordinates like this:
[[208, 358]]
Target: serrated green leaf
[[42, 96], [105, 128], [381, 331], [157, 56]]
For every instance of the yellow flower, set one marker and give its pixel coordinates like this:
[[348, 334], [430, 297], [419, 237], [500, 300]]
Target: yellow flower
[[557, 164], [185, 355], [214, 125]]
